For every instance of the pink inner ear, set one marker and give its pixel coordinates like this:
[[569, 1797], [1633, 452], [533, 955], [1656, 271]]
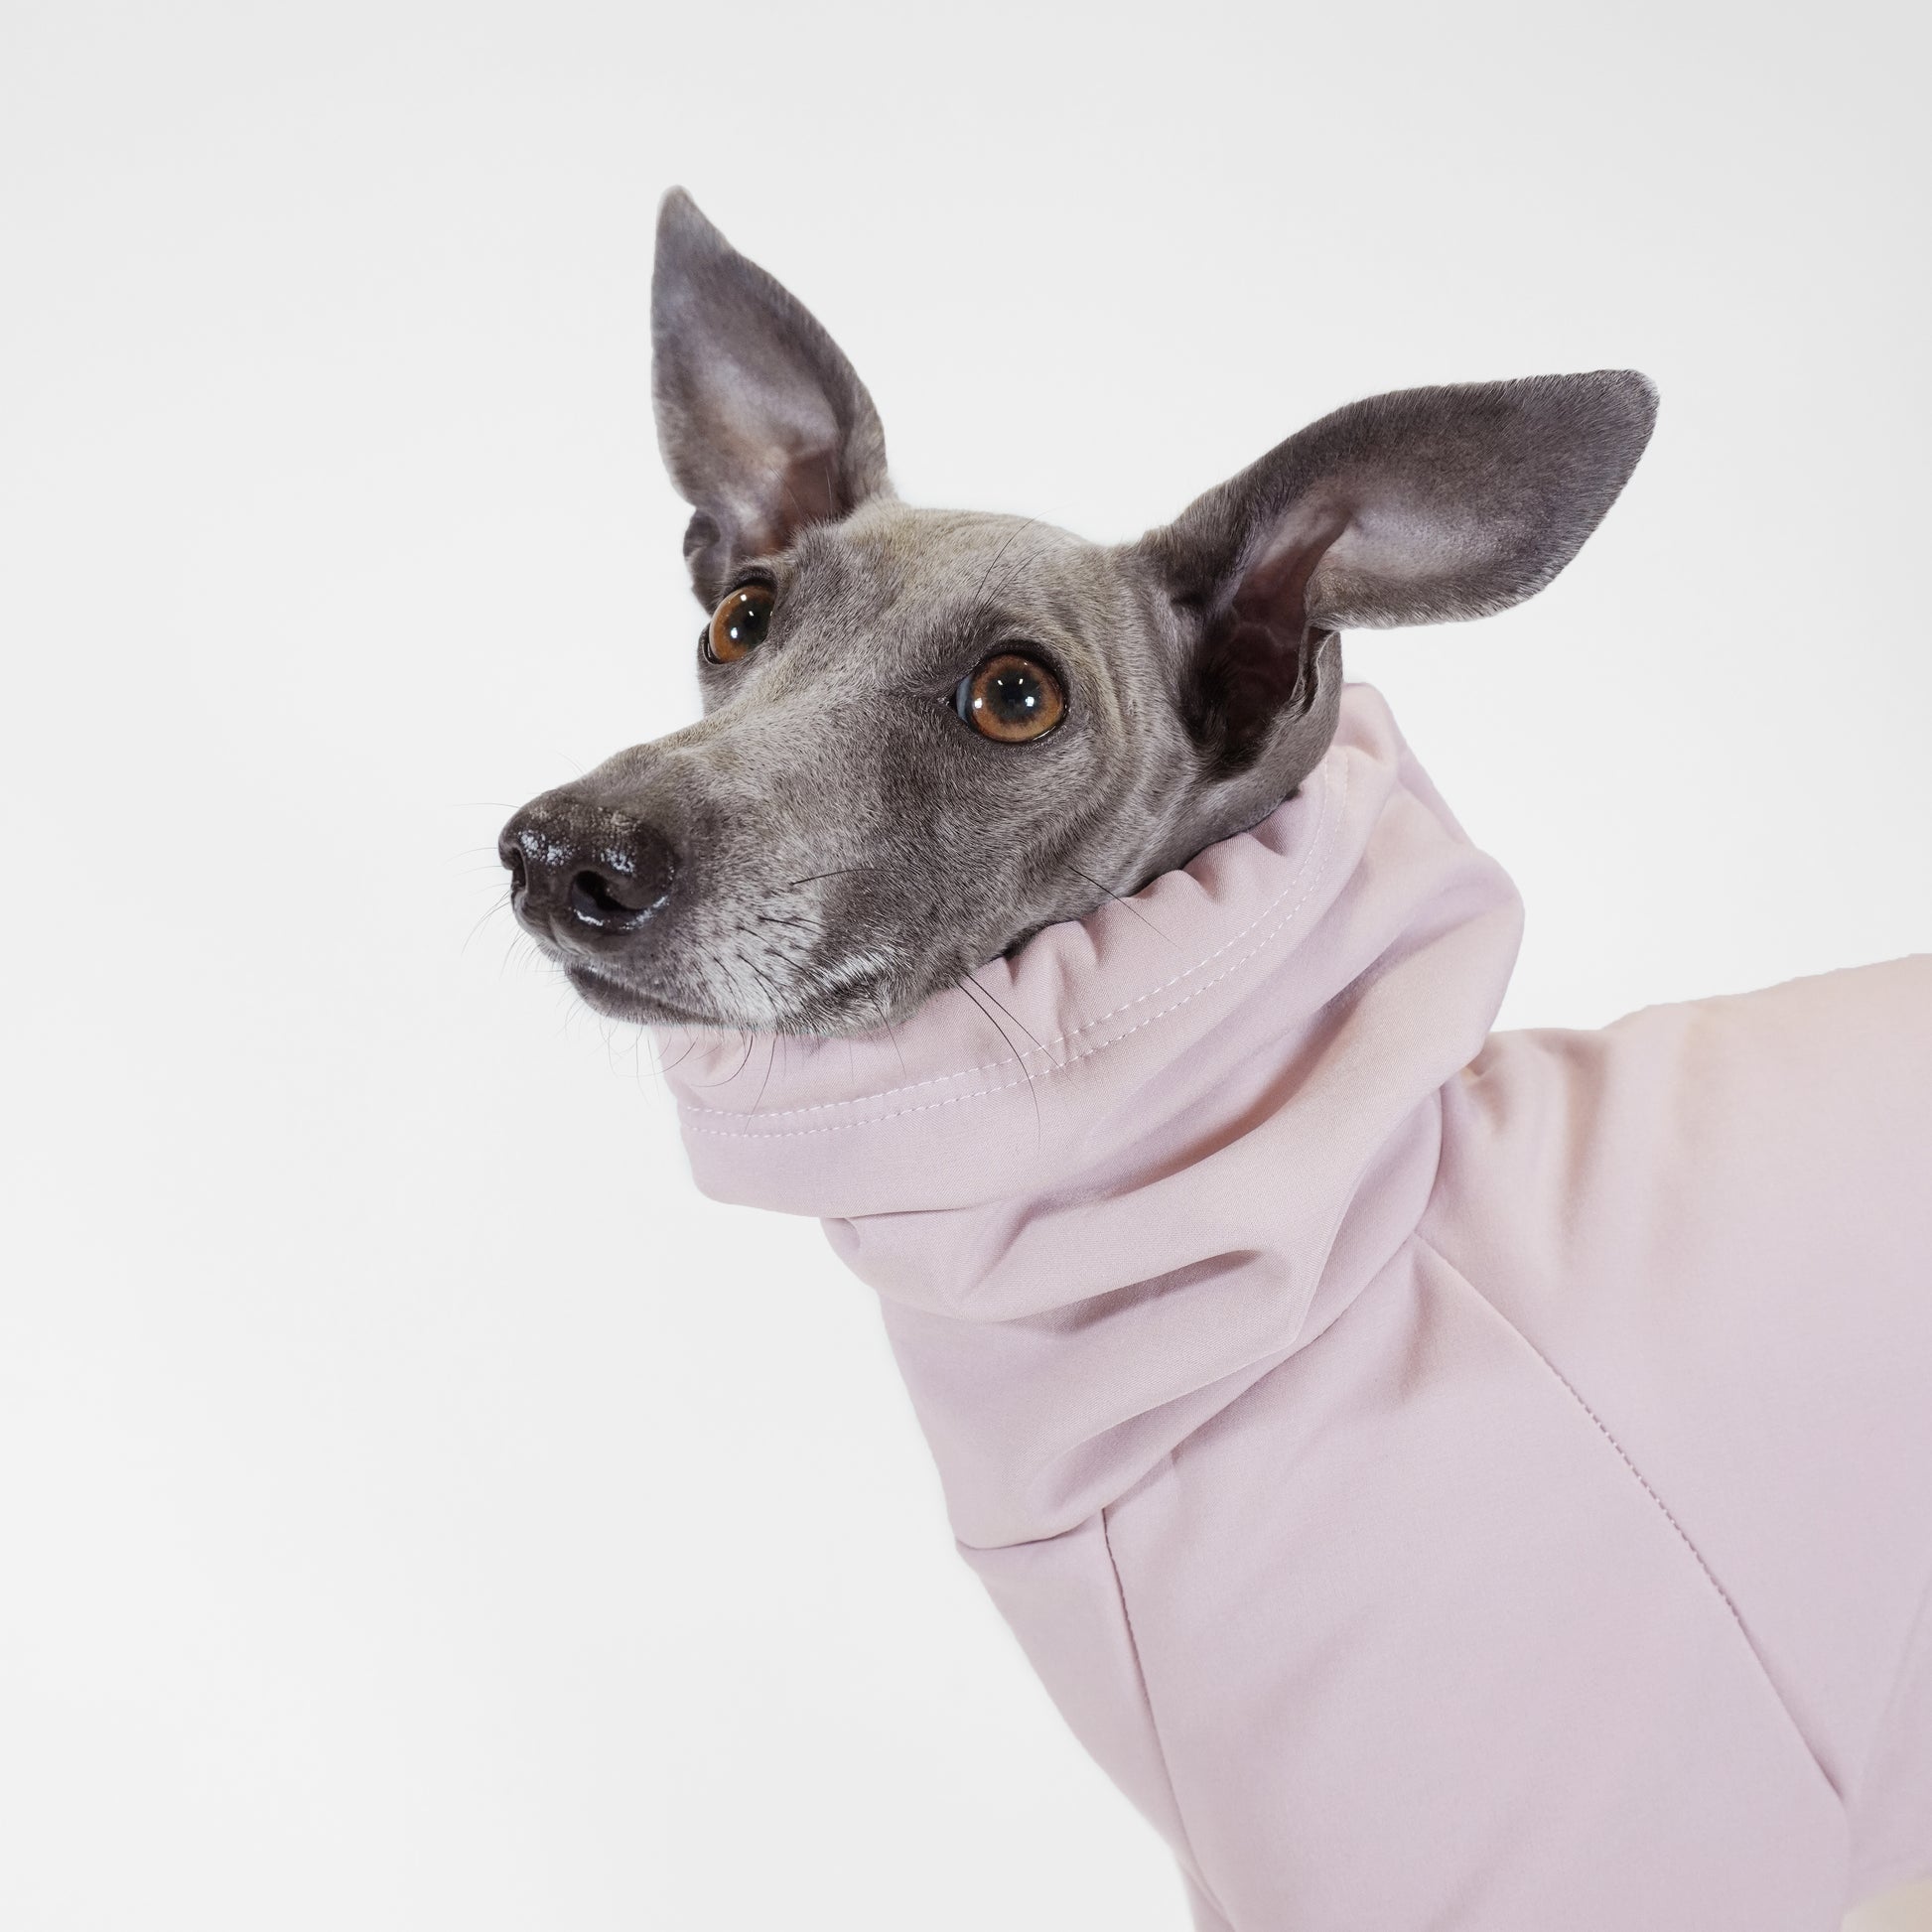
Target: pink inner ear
[[783, 494], [1257, 662], [811, 491], [1273, 592]]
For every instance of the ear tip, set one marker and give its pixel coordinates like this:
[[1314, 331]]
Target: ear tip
[[1634, 390], [682, 225], [1635, 384]]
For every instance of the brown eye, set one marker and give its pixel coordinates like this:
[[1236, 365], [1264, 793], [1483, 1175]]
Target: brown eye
[[738, 624], [1010, 698]]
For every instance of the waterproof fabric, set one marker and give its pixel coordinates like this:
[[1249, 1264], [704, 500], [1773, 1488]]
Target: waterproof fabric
[[1447, 1480]]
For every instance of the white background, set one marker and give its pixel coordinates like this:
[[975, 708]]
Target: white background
[[418, 1508]]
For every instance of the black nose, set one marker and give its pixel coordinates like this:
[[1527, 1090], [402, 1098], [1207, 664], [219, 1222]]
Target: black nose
[[582, 872]]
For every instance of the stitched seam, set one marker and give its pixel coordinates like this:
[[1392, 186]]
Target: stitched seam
[[1072, 1059], [1662, 1507], [1060, 1039], [1153, 1722]]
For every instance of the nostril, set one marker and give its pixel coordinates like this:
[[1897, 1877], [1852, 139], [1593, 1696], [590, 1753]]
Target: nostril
[[510, 853], [622, 890], [594, 898]]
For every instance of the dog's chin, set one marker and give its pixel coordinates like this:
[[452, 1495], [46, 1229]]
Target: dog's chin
[[846, 1013], [619, 1000], [846, 1000]]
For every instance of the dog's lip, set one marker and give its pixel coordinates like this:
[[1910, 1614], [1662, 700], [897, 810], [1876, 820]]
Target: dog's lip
[[619, 1000]]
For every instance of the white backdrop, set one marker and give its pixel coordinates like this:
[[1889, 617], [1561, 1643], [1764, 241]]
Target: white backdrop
[[418, 1509]]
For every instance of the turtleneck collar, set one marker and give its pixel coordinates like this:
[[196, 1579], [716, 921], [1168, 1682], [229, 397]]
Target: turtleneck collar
[[1176, 1139]]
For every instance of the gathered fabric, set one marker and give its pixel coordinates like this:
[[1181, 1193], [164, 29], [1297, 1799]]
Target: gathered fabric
[[1447, 1478]]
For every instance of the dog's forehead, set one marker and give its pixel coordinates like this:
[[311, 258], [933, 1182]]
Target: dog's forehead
[[891, 551]]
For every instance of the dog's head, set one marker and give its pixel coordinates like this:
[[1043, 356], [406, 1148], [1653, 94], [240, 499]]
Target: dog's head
[[927, 734]]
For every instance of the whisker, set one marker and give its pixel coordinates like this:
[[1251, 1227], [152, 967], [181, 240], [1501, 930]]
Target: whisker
[[965, 986], [770, 1060], [838, 872], [733, 1075], [1012, 538], [490, 912], [1020, 564], [1118, 899], [684, 1052], [891, 1033], [1039, 1043]]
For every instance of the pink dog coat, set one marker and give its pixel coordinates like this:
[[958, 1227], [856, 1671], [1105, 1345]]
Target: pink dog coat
[[1448, 1482]]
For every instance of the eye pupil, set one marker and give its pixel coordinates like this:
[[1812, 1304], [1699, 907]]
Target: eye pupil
[[1010, 698], [738, 624]]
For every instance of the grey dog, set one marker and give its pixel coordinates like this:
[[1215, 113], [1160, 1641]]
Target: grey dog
[[1377, 1430], [927, 734]]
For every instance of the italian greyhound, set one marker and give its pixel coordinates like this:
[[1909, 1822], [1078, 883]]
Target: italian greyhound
[[1448, 1478]]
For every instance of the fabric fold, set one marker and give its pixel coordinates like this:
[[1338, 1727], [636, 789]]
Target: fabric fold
[[1481, 1481]]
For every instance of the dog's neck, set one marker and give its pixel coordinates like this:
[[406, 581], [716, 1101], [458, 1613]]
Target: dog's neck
[[1108, 1186]]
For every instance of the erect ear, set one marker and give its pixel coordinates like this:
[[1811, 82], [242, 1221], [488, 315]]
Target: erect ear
[[1416, 508], [764, 426]]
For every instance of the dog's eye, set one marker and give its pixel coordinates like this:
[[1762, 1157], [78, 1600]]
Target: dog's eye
[[738, 624], [1010, 698]]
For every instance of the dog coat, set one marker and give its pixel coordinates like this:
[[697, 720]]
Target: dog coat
[[1448, 1480]]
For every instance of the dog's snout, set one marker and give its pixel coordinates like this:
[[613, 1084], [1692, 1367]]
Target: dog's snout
[[583, 872]]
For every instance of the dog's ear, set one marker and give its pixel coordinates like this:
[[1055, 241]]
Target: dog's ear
[[764, 425], [1416, 507]]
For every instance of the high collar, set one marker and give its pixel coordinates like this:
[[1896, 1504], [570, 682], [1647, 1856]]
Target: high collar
[[1170, 1144]]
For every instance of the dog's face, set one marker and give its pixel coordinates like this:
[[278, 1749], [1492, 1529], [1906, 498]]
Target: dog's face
[[929, 734], [943, 732]]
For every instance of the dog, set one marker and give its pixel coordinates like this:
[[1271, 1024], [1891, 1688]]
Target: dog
[[1447, 1478]]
